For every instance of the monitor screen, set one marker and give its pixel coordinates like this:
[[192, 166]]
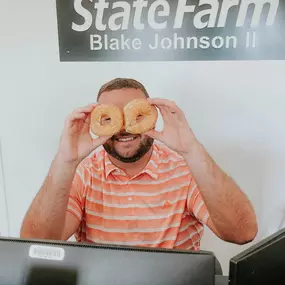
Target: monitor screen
[[261, 264], [34, 262]]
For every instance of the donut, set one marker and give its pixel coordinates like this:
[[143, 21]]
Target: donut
[[140, 116], [106, 120]]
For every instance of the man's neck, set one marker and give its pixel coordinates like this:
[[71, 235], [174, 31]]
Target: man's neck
[[132, 169]]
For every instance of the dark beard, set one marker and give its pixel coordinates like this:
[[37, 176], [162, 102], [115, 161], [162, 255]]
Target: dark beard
[[144, 147]]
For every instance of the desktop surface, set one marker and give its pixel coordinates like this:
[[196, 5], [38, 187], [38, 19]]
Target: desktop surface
[[33, 262]]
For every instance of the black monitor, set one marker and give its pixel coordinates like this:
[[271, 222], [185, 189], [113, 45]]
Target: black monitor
[[261, 264], [41, 262]]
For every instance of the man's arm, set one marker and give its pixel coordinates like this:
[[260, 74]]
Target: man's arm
[[232, 216], [46, 216]]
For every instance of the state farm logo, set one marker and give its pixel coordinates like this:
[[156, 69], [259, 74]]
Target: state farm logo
[[157, 14], [161, 25]]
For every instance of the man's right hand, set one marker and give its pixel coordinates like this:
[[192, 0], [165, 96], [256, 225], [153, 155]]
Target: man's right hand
[[76, 142]]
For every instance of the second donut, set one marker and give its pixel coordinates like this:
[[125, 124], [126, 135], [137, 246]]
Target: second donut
[[139, 116]]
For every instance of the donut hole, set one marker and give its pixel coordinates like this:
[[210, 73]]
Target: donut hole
[[140, 118], [105, 120]]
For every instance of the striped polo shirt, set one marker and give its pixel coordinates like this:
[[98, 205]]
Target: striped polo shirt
[[159, 207]]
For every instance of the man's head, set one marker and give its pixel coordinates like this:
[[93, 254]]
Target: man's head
[[124, 146]]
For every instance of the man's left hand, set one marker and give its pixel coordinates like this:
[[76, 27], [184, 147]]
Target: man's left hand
[[176, 133]]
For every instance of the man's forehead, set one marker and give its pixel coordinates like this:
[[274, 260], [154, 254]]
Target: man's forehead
[[121, 97]]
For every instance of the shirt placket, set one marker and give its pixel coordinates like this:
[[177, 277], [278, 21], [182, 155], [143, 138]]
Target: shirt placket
[[131, 200]]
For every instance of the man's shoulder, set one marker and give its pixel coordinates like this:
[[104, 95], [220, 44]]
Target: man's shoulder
[[167, 155], [94, 161], [171, 165]]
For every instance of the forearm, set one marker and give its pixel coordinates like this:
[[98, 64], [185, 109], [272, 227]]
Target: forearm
[[46, 215], [230, 210]]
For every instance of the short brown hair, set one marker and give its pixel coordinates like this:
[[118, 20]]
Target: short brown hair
[[122, 83]]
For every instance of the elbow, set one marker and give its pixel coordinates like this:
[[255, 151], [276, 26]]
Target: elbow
[[241, 235], [30, 231], [245, 239], [248, 231], [27, 229], [26, 233], [245, 235], [249, 235]]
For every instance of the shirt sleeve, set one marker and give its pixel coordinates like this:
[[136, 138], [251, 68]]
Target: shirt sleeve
[[195, 203], [77, 193]]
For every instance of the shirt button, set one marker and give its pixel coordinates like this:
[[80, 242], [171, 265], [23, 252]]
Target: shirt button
[[130, 199]]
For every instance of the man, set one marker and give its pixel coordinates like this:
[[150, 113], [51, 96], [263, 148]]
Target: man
[[137, 192]]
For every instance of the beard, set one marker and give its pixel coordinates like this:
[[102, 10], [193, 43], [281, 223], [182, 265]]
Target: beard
[[144, 146]]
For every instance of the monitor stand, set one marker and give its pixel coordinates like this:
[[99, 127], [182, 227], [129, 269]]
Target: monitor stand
[[221, 280]]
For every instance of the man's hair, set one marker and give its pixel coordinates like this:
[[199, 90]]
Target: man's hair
[[122, 83]]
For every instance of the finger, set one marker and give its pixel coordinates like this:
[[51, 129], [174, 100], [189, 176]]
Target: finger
[[87, 120], [93, 104], [97, 142], [154, 134], [71, 119], [81, 113], [87, 109], [162, 102], [162, 110], [171, 105], [165, 115], [78, 116], [169, 117], [100, 140], [175, 113]]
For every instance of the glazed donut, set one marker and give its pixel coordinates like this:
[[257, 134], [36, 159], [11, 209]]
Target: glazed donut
[[106, 120], [140, 116]]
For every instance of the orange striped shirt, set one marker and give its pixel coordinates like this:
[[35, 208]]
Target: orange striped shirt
[[159, 207]]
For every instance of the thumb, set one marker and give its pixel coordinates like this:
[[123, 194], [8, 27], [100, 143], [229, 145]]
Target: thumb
[[96, 142], [100, 140], [153, 134]]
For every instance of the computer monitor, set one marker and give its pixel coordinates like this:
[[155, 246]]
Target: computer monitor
[[41, 262], [261, 264]]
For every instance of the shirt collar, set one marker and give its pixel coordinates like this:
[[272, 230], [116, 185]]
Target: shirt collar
[[150, 168], [109, 166]]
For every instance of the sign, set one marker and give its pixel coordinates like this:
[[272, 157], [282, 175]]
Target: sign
[[171, 30]]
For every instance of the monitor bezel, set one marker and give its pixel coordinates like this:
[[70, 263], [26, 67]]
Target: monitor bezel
[[104, 246]]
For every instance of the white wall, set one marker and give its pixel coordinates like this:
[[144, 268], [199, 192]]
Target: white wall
[[4, 229], [235, 108]]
